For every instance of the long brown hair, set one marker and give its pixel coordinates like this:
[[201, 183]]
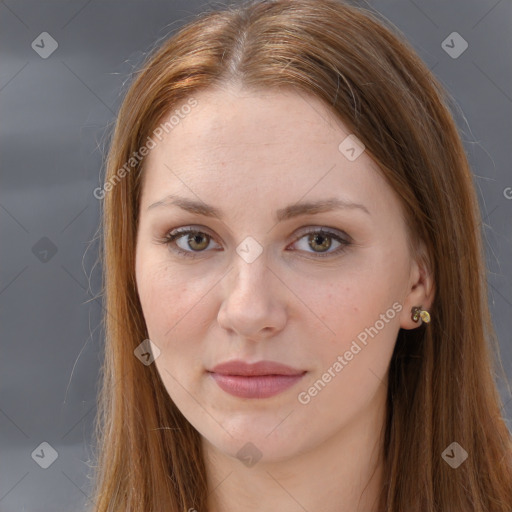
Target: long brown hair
[[441, 380]]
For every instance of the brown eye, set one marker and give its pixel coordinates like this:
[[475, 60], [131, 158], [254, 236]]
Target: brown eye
[[198, 241], [194, 243], [323, 242], [319, 242]]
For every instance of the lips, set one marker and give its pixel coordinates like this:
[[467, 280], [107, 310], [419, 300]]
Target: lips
[[257, 380]]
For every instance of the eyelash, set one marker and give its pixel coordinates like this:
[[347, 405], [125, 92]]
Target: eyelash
[[172, 236]]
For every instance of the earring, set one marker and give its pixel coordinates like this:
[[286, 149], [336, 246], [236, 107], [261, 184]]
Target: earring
[[417, 313]]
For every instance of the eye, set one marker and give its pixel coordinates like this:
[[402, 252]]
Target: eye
[[321, 240], [197, 241]]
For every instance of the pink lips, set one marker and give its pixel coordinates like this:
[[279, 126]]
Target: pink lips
[[258, 380]]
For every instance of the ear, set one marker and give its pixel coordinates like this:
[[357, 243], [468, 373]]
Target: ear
[[420, 290]]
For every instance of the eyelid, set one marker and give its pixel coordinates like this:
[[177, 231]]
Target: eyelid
[[326, 229]]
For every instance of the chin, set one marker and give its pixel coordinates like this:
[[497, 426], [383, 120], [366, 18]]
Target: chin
[[250, 441]]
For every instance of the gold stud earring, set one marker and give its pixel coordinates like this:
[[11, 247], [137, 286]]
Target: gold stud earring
[[418, 312]]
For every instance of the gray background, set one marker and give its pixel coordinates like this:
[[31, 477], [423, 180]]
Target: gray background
[[55, 114]]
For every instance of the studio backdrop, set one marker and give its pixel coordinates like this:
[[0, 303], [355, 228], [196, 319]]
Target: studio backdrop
[[64, 68]]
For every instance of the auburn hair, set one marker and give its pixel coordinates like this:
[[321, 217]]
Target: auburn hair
[[441, 386]]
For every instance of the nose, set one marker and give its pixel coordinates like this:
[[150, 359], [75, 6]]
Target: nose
[[253, 305]]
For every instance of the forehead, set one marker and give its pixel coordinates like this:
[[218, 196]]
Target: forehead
[[235, 121], [237, 140]]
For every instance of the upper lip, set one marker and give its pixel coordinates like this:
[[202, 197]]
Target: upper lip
[[238, 367]]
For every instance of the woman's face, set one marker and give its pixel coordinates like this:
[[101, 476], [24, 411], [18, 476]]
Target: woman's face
[[259, 283]]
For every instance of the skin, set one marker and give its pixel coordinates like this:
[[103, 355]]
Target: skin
[[250, 153]]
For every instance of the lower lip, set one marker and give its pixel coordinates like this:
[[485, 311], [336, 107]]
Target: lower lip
[[261, 386]]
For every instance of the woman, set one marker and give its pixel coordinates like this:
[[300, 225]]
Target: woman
[[294, 280]]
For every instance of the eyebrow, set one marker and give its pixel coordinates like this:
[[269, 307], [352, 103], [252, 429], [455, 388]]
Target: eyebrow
[[293, 210]]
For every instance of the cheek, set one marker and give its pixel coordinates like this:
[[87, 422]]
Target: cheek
[[168, 299], [352, 363], [345, 305], [171, 306], [359, 315]]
